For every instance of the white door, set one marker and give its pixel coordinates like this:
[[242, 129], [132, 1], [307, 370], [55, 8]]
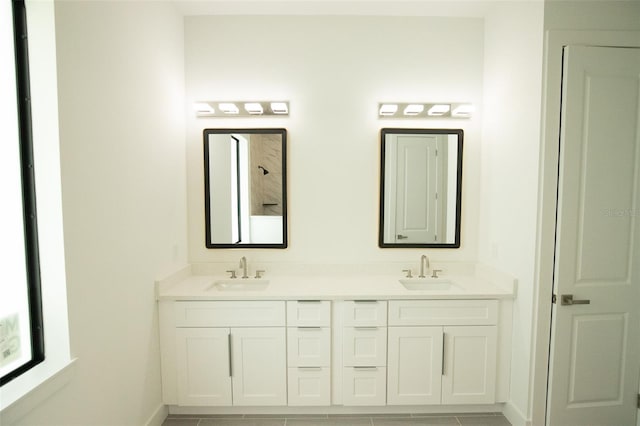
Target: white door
[[595, 347], [259, 366], [415, 365], [469, 372], [418, 174], [204, 376]]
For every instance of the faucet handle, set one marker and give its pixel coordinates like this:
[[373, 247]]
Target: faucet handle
[[408, 271], [259, 273], [435, 273], [233, 273]]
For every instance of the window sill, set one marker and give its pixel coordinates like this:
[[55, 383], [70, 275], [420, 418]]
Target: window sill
[[24, 393]]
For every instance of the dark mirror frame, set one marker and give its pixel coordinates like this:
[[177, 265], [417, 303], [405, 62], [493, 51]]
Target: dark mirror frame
[[207, 188], [458, 214]]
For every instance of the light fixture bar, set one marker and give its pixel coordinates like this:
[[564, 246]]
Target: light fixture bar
[[230, 109], [427, 110]]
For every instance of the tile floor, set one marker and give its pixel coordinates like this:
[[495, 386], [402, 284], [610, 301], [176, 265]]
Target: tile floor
[[469, 419]]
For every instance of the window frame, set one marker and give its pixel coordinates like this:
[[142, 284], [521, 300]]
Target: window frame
[[25, 140]]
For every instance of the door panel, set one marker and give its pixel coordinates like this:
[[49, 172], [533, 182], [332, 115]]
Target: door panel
[[469, 365], [415, 365], [203, 366], [418, 180], [604, 245], [595, 347], [603, 337], [259, 366]]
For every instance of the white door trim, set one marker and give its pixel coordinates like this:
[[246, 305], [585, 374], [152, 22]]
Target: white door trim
[[548, 183]]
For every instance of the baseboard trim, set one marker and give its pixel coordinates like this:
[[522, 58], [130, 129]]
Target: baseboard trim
[[158, 416], [514, 415]]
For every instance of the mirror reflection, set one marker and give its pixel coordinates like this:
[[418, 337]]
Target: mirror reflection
[[245, 188], [420, 188]]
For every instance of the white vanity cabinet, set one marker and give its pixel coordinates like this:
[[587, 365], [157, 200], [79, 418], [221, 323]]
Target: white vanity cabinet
[[230, 353], [364, 352], [309, 352], [341, 355], [442, 352]]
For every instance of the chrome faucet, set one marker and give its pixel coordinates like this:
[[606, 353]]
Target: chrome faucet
[[243, 265], [424, 264]]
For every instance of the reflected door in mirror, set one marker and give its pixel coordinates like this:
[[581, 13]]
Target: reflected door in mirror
[[245, 188], [420, 188]]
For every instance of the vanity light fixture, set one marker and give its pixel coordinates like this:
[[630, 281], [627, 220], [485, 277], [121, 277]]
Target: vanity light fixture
[[462, 110], [203, 108], [253, 108], [438, 110], [388, 109], [228, 108], [279, 108], [425, 110], [241, 108], [413, 109]]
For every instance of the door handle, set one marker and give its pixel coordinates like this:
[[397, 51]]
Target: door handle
[[401, 237], [568, 300]]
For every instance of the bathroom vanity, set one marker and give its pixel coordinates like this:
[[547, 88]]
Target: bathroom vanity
[[335, 343]]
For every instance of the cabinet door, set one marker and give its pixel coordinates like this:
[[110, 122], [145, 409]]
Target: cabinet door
[[469, 365], [415, 365], [203, 366], [259, 366]]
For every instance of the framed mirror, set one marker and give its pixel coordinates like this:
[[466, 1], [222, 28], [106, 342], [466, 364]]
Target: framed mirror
[[420, 188], [245, 188]]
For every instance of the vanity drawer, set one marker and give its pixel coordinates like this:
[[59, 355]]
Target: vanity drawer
[[365, 313], [443, 312], [364, 346], [230, 314], [364, 385], [309, 346], [308, 313], [309, 386]]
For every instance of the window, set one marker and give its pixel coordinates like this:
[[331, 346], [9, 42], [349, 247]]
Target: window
[[21, 324]]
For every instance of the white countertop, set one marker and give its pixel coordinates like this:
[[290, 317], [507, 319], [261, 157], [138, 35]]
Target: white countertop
[[333, 287]]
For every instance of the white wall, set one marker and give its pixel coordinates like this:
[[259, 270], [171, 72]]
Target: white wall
[[510, 147], [334, 70], [120, 70]]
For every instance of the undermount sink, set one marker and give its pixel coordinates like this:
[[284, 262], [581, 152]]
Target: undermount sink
[[239, 284], [433, 284]]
